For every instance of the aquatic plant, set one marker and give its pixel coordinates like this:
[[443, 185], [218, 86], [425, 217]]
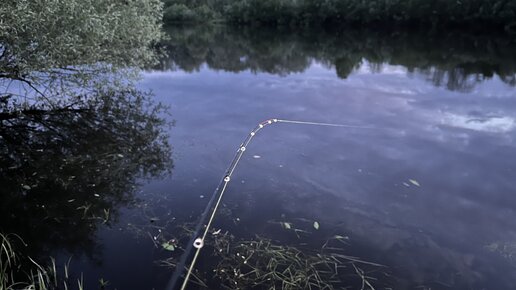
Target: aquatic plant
[[262, 263]]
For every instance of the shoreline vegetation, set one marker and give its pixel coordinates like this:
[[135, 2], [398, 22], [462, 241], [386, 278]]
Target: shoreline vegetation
[[494, 15], [76, 135]]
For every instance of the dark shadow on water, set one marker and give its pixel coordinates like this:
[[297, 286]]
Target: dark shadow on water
[[66, 169], [457, 61]]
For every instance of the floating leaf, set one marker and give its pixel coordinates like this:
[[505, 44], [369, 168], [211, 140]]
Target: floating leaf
[[168, 246], [316, 225], [414, 182]]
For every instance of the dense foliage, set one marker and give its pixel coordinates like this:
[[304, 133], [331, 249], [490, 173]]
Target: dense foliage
[[52, 35], [479, 13]]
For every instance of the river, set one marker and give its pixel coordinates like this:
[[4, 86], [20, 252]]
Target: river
[[422, 181]]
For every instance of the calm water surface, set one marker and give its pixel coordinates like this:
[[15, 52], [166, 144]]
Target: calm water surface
[[428, 189]]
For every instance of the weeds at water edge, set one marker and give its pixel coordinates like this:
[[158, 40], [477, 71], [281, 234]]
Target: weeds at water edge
[[37, 278], [263, 264]]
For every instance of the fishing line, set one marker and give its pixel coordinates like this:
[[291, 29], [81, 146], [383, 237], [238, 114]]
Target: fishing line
[[197, 240]]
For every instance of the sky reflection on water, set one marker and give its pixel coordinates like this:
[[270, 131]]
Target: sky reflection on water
[[459, 147]]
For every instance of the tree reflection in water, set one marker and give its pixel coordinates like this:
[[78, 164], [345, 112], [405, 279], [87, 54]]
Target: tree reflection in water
[[455, 61], [66, 169]]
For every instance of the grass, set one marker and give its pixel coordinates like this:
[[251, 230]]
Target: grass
[[264, 264], [7, 258], [36, 278], [261, 263]]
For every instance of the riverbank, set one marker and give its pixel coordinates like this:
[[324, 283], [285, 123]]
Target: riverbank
[[467, 14]]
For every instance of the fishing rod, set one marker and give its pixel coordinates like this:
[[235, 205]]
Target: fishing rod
[[199, 235]]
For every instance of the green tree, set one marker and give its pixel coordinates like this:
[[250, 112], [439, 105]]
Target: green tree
[[79, 36]]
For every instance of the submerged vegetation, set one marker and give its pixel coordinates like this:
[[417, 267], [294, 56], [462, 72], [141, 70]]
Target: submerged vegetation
[[495, 14], [263, 263]]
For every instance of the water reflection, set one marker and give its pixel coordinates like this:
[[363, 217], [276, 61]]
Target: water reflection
[[456, 61], [453, 231], [67, 167]]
